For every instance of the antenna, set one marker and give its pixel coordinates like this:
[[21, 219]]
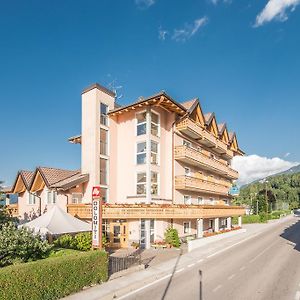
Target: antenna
[[112, 85]]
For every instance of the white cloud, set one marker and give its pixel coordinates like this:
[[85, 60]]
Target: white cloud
[[215, 2], [275, 10], [183, 34], [287, 154], [162, 34], [253, 167], [144, 3]]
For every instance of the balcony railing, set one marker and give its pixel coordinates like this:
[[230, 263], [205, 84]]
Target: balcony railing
[[12, 209], [200, 185], [195, 157], [156, 211], [195, 131]]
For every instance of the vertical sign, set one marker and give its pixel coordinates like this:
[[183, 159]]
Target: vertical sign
[[96, 218]]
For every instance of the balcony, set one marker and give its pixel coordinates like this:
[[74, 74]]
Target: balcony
[[156, 211], [195, 131], [200, 185], [12, 209], [194, 157]]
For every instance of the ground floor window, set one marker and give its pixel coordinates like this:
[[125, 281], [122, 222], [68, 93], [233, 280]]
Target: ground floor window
[[211, 223]]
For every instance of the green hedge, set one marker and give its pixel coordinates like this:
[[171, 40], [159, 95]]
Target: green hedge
[[53, 278]]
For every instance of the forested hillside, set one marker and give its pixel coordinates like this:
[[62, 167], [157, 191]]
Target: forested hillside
[[278, 192]]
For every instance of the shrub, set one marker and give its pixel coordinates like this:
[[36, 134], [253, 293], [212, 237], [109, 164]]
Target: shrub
[[263, 217], [172, 238], [83, 241], [53, 278], [20, 245], [64, 241]]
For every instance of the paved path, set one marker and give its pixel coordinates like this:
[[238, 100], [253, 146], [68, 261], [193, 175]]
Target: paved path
[[264, 266], [258, 264]]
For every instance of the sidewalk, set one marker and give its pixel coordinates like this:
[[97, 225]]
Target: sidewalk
[[163, 267]]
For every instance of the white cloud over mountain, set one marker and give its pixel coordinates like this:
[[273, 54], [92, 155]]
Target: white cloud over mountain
[[253, 167], [275, 10]]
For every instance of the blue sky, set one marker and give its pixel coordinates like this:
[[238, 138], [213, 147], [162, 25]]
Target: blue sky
[[240, 57]]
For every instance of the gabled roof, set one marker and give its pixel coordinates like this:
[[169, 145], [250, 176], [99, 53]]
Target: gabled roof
[[23, 181], [159, 99], [71, 181], [45, 176], [208, 117], [190, 104], [234, 146], [221, 128]]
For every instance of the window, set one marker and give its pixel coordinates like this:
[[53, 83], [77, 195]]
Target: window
[[76, 198], [141, 184], [187, 143], [51, 197], [152, 231], [141, 123], [154, 183], [200, 200], [103, 114], [103, 141], [187, 199], [211, 223], [32, 199], [186, 227], [141, 153], [211, 200], [154, 153], [154, 124], [103, 171], [187, 171]]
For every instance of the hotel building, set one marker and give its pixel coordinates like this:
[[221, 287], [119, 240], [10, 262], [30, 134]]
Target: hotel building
[[160, 164]]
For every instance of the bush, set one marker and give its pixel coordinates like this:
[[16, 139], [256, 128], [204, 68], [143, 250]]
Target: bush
[[20, 245], [172, 238], [64, 241], [83, 241], [53, 278]]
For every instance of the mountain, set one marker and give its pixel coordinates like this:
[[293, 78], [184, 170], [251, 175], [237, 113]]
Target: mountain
[[292, 170]]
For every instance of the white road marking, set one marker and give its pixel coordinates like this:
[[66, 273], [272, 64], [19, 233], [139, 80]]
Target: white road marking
[[189, 266], [297, 296], [180, 270], [261, 253], [240, 242], [200, 260], [231, 276], [144, 287], [242, 268], [217, 288]]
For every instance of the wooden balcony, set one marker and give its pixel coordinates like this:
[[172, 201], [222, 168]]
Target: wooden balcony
[[155, 211], [195, 131], [12, 209], [200, 185], [194, 157]]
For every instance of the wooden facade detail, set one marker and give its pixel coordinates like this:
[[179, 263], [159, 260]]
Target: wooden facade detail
[[156, 211], [190, 183], [197, 132], [197, 158]]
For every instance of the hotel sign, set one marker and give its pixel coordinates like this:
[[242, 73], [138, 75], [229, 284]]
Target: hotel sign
[[96, 218]]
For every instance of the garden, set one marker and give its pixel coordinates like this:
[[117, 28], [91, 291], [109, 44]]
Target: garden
[[32, 268]]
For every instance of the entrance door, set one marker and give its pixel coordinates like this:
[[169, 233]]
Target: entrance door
[[118, 235]]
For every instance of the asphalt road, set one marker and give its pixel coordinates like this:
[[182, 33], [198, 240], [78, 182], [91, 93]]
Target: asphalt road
[[266, 266]]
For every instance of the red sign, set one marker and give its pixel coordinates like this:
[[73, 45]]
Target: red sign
[[96, 193]]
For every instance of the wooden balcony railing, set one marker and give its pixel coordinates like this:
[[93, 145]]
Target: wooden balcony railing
[[12, 209], [155, 211], [195, 131], [197, 184], [195, 157]]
